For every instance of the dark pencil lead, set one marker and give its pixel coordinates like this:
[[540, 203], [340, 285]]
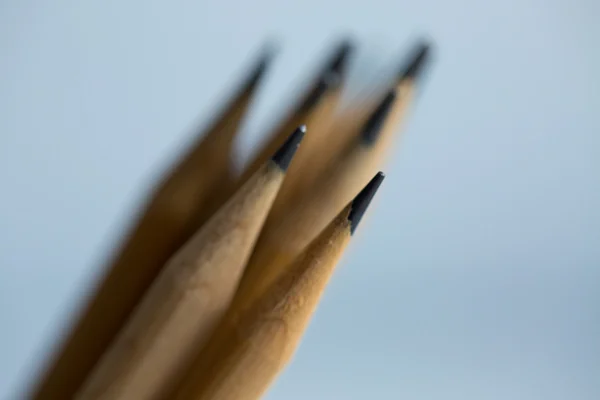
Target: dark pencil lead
[[318, 92], [416, 63], [338, 63], [372, 127], [286, 152], [362, 200], [263, 63], [330, 77]]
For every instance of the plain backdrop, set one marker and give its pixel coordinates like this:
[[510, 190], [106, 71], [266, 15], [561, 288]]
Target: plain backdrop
[[476, 274]]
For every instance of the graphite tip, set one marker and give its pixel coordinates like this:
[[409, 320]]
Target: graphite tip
[[361, 201], [416, 63], [330, 77], [286, 152], [263, 63], [339, 61], [326, 82], [372, 127]]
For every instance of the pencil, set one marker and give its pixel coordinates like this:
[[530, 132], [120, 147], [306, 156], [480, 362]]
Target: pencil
[[281, 241], [220, 162], [285, 235], [190, 295], [315, 110], [321, 144], [410, 74], [349, 121], [259, 342], [171, 215]]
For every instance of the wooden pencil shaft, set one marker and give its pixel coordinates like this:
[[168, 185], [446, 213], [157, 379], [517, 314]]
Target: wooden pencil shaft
[[191, 294], [257, 343], [253, 343], [161, 228], [186, 301]]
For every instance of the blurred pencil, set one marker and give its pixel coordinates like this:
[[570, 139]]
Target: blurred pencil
[[321, 144], [414, 67], [349, 121], [410, 75], [256, 344], [282, 240], [316, 111], [190, 295], [174, 210]]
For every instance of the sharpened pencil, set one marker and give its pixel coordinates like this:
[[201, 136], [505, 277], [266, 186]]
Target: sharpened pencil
[[410, 75], [316, 111], [348, 122], [173, 212], [190, 295], [281, 241], [256, 344]]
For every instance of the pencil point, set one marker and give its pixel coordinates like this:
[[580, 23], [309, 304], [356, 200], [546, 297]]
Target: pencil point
[[316, 94], [286, 152], [362, 200], [372, 127], [340, 59], [417, 62], [264, 61], [331, 76]]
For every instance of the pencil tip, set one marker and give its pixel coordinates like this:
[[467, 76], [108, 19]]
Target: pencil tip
[[325, 83], [264, 61], [417, 61], [339, 61], [283, 156], [372, 127], [361, 201], [331, 76]]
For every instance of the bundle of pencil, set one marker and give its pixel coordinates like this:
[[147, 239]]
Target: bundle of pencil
[[212, 289]]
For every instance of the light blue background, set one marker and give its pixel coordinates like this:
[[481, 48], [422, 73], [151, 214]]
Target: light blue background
[[476, 276]]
